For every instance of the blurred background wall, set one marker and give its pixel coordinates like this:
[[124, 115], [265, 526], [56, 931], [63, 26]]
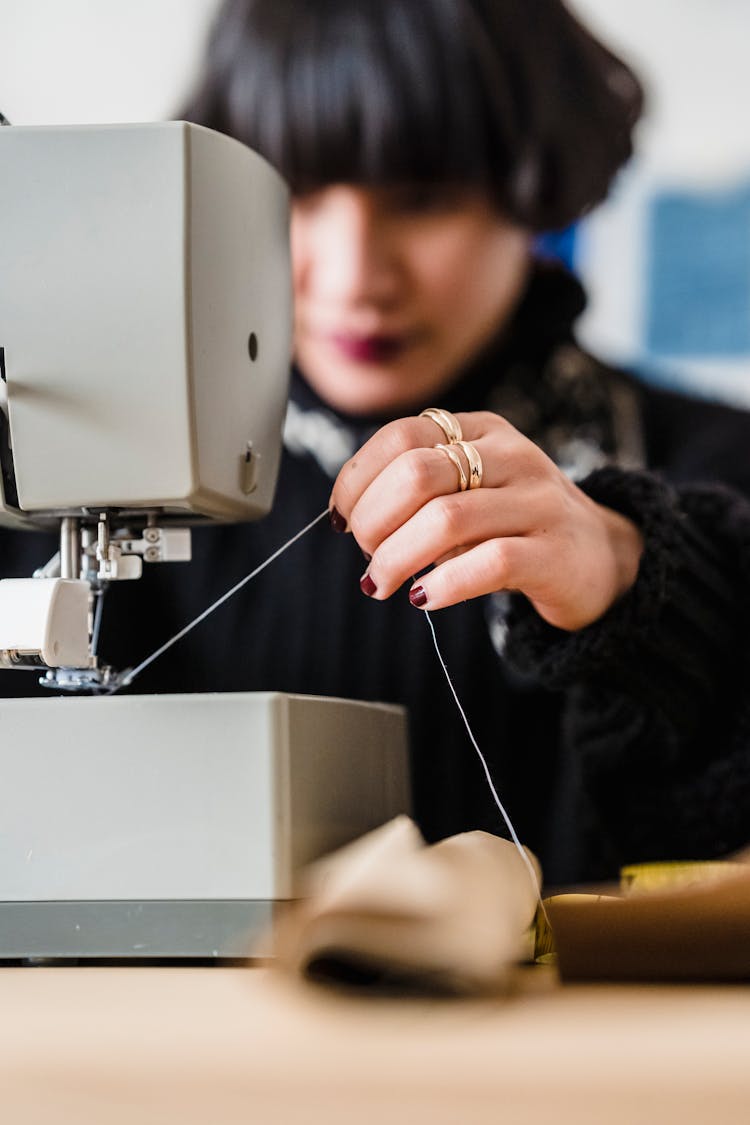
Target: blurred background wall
[[666, 262], [97, 60]]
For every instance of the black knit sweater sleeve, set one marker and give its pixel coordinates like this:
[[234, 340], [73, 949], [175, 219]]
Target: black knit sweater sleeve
[[657, 715]]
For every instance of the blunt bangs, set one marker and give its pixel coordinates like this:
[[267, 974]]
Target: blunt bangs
[[512, 97]]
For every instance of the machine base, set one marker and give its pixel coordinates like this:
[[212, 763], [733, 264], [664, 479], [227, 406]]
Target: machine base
[[134, 930], [171, 827]]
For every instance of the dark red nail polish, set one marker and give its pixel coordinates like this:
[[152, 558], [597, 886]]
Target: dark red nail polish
[[367, 586], [338, 523], [418, 597]]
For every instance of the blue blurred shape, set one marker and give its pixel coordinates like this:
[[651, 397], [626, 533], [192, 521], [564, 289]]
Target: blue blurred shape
[[558, 245], [697, 274]]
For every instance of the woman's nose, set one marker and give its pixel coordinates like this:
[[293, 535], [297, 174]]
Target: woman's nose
[[349, 248]]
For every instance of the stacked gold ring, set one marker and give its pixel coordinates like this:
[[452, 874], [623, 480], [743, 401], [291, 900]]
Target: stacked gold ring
[[451, 427], [450, 453], [474, 461], [447, 422]]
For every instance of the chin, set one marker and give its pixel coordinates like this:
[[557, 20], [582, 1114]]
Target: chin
[[362, 398]]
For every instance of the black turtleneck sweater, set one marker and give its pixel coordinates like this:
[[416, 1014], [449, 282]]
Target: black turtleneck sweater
[[627, 740]]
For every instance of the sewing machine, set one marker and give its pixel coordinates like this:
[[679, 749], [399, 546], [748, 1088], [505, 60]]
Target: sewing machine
[[145, 325]]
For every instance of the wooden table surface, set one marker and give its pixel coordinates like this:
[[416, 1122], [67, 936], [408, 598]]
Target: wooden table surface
[[219, 1046]]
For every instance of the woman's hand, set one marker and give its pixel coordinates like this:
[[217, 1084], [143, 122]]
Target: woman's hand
[[527, 528]]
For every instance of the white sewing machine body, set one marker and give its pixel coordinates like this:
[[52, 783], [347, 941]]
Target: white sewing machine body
[[145, 337], [145, 318]]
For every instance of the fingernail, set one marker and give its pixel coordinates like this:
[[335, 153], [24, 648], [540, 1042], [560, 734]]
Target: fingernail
[[418, 596], [338, 523], [367, 586]]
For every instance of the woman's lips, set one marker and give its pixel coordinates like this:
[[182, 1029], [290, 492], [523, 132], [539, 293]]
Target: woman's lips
[[368, 349]]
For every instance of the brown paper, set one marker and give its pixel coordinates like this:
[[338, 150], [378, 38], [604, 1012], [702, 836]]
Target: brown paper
[[699, 932]]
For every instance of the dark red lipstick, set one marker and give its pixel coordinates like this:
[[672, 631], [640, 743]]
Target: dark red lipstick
[[369, 349]]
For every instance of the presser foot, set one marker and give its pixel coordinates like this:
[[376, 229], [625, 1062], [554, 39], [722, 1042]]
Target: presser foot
[[99, 681]]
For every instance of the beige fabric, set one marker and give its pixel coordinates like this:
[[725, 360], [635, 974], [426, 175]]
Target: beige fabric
[[387, 907]]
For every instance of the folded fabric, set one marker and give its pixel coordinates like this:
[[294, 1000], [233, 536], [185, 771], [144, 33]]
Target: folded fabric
[[389, 909]]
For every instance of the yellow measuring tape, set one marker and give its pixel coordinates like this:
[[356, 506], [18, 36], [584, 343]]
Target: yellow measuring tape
[[642, 878]]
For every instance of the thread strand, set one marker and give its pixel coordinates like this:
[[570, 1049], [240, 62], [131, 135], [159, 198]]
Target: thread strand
[[509, 823], [127, 678]]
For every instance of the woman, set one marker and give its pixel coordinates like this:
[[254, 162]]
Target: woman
[[597, 632]]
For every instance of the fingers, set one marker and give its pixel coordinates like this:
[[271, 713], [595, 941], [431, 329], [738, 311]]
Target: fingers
[[497, 564], [447, 525], [404, 486], [377, 454], [407, 486], [570, 578], [406, 435]]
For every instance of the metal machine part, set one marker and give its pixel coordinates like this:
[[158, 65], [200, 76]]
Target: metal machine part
[[51, 621]]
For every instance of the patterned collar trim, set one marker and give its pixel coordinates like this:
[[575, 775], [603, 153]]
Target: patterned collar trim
[[320, 434]]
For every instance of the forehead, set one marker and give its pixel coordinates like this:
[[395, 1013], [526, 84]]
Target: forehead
[[400, 195]]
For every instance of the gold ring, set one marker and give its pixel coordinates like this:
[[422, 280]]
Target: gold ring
[[447, 422], [471, 453], [450, 453]]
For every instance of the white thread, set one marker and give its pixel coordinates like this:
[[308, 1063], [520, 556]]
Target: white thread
[[128, 677], [514, 836]]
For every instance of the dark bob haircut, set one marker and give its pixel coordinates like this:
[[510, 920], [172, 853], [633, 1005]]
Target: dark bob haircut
[[513, 97]]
